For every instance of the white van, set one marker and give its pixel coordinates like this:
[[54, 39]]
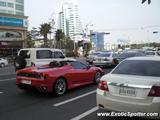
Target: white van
[[41, 56]]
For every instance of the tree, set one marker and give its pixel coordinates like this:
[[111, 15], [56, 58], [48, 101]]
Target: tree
[[30, 42], [69, 47], [87, 48], [44, 30], [34, 33], [59, 37]]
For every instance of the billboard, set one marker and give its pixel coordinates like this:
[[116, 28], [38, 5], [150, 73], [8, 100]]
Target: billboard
[[12, 22]]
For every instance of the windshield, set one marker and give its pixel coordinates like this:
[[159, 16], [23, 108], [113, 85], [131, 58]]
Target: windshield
[[139, 67]]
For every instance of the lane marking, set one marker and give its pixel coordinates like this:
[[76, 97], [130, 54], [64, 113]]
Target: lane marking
[[85, 113], [75, 98], [7, 74], [7, 79], [1, 92]]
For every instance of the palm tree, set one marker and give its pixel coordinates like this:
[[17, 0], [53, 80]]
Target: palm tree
[[30, 42], [44, 30], [59, 37]]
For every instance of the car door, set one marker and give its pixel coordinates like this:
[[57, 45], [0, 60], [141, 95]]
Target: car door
[[80, 73]]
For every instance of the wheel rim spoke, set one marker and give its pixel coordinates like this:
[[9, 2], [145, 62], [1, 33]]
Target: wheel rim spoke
[[98, 76], [60, 87]]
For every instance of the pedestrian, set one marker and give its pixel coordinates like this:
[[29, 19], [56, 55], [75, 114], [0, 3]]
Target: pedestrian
[[20, 62]]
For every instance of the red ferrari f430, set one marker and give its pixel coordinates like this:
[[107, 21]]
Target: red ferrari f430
[[58, 77]]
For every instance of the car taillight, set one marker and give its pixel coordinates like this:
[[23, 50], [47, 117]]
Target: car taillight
[[44, 76], [103, 85], [106, 59], [155, 91], [114, 61]]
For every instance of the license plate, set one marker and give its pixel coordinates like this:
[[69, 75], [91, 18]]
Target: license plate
[[26, 82], [127, 91]]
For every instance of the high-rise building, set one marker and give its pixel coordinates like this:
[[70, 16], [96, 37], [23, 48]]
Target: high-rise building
[[97, 39], [15, 7], [13, 26], [69, 20]]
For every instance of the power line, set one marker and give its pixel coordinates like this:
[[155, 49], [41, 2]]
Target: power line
[[129, 29]]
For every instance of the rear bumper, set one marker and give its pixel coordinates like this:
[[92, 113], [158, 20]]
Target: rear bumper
[[117, 105], [104, 63], [40, 85]]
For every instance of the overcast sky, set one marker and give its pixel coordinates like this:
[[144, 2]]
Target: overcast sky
[[118, 17]]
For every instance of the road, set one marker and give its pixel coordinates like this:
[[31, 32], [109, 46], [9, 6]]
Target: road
[[16, 104]]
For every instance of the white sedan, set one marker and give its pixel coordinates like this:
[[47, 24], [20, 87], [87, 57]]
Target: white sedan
[[133, 86], [3, 62]]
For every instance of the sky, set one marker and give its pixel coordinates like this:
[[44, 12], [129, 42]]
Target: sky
[[124, 19]]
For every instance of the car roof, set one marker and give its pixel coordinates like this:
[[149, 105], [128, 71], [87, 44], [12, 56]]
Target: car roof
[[41, 49], [156, 58]]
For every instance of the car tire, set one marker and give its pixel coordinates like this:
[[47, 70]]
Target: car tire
[[97, 77], [2, 65], [60, 87]]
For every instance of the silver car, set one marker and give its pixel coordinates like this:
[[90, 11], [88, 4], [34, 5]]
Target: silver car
[[3, 62], [133, 86], [105, 59], [91, 57], [152, 53]]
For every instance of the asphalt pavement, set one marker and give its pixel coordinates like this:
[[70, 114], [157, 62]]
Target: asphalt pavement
[[16, 104]]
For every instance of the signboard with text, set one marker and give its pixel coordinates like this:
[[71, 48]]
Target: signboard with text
[[12, 22]]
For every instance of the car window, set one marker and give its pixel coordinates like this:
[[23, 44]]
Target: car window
[[125, 55], [25, 53], [104, 55], [58, 54], [150, 53], [138, 67], [78, 65], [43, 54]]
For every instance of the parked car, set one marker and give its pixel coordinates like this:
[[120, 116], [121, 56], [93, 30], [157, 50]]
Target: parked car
[[91, 57], [41, 56], [105, 59], [3, 62], [133, 86], [152, 53], [57, 77], [124, 55]]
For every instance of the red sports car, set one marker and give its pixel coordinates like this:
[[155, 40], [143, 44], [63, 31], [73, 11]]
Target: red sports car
[[57, 77]]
